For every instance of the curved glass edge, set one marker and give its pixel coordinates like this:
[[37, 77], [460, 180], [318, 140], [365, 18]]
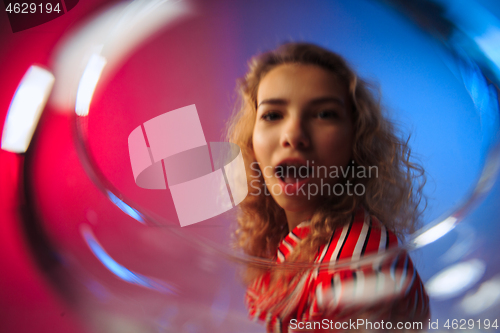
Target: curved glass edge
[[478, 69], [468, 32]]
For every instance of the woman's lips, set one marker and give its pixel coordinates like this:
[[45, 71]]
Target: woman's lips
[[292, 186], [293, 174]]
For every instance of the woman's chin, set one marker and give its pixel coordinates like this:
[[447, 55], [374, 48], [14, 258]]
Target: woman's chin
[[296, 203]]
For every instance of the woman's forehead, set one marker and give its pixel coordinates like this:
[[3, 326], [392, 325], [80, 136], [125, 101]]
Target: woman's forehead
[[300, 81]]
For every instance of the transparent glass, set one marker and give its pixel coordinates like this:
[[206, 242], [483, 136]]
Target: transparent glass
[[128, 265]]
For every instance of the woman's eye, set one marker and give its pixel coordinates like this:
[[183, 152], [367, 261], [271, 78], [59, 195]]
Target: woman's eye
[[327, 114], [271, 116]]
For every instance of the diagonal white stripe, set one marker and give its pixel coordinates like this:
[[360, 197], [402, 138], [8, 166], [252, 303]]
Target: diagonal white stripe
[[341, 241], [287, 245], [361, 239], [281, 257], [383, 239]]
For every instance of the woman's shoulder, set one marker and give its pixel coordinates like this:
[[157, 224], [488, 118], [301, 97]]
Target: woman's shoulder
[[364, 235]]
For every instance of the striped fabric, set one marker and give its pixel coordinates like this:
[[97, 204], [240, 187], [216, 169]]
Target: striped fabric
[[386, 287]]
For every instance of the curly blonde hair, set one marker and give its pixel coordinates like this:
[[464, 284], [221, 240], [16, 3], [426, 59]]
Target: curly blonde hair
[[394, 196]]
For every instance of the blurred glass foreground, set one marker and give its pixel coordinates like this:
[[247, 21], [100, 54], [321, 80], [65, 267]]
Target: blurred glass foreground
[[117, 253]]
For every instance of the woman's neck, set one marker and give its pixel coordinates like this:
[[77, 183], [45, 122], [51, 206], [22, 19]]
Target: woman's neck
[[295, 218]]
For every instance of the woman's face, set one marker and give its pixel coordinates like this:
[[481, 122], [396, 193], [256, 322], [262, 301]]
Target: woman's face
[[303, 125]]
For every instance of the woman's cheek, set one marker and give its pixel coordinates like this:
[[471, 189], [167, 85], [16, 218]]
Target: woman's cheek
[[263, 150], [335, 149], [261, 143]]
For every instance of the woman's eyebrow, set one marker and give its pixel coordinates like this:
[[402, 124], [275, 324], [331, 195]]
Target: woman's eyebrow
[[316, 101], [273, 101], [322, 100]]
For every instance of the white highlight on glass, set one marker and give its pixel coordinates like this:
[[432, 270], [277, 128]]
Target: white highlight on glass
[[488, 42], [486, 296], [455, 279], [114, 34], [436, 232], [88, 83], [26, 108]]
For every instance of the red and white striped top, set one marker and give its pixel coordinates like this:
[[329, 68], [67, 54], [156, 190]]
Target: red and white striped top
[[387, 286]]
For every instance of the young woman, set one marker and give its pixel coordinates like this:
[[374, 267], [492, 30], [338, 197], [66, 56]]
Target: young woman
[[329, 183]]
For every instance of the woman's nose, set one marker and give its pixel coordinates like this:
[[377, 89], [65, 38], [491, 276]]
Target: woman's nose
[[295, 134]]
